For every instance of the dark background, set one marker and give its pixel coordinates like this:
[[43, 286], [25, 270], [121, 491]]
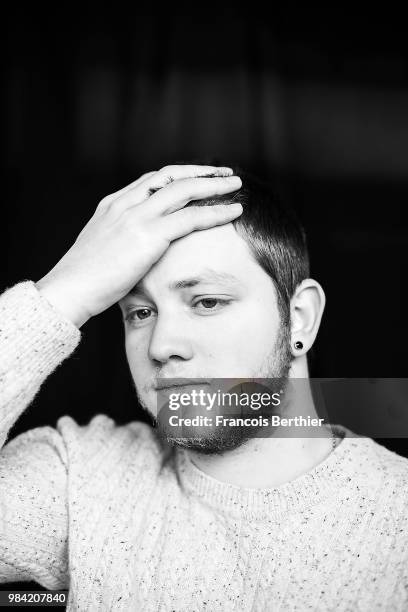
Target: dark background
[[93, 100]]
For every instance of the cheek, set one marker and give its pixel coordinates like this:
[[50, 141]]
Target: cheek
[[247, 335], [136, 353]]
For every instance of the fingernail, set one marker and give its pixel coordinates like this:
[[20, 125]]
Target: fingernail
[[233, 179], [235, 206]]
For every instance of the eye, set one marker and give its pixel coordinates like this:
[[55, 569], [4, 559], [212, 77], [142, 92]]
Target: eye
[[210, 304], [138, 314]]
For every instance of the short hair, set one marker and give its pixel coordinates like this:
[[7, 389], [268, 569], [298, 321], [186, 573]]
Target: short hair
[[273, 232]]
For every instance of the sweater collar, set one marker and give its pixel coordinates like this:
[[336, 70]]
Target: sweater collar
[[341, 468]]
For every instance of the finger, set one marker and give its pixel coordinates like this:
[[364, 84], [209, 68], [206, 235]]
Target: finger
[[169, 174], [163, 178], [185, 221], [131, 186], [117, 194], [178, 194]]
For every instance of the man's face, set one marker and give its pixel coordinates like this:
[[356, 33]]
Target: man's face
[[206, 309]]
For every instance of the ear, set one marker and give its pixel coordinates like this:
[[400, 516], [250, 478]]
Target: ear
[[307, 306]]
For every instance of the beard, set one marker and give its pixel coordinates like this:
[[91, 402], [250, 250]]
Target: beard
[[273, 372]]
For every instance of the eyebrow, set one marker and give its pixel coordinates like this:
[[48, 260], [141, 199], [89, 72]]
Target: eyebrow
[[207, 276]]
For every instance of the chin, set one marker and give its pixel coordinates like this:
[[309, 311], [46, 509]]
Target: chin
[[211, 444]]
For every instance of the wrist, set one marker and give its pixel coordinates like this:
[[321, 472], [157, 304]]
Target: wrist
[[64, 300]]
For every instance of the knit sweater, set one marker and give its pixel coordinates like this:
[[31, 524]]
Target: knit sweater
[[105, 511]]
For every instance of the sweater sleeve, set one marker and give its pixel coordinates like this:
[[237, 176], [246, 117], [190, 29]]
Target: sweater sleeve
[[34, 509], [34, 340]]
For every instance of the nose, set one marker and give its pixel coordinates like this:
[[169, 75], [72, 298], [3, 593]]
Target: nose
[[169, 340]]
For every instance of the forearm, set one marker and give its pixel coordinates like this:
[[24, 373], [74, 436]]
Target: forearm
[[34, 339]]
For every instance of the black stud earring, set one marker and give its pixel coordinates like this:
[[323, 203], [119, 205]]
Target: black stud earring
[[298, 345]]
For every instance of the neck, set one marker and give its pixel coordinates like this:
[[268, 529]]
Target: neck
[[277, 459]]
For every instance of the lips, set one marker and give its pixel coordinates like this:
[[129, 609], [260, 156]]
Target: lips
[[173, 383]]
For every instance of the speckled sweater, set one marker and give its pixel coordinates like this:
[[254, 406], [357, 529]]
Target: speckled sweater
[[104, 511]]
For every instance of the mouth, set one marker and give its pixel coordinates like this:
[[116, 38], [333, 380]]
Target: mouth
[[179, 383]]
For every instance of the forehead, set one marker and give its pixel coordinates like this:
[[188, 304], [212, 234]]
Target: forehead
[[220, 249]]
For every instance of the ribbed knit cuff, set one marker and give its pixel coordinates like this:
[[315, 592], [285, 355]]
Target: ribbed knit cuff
[[34, 336]]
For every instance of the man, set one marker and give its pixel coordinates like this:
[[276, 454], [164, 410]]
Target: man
[[219, 519]]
